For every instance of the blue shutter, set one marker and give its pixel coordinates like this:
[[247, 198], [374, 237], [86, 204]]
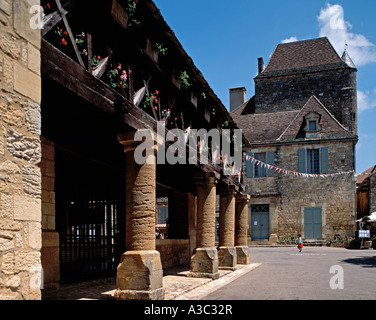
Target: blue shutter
[[249, 166], [313, 223], [317, 223], [270, 160], [302, 160], [324, 160], [308, 223]]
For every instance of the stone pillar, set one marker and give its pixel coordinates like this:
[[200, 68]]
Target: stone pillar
[[204, 262], [241, 228], [227, 251], [140, 274]]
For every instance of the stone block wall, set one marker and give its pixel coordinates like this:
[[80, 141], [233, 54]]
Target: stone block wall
[[20, 153], [174, 252], [293, 91], [50, 238], [288, 195]]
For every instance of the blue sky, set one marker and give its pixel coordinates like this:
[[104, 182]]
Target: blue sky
[[225, 38]]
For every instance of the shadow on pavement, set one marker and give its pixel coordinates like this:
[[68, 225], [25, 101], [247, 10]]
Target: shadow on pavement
[[364, 262]]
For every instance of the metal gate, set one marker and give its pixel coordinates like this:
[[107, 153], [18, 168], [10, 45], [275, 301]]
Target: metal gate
[[88, 245], [89, 205]]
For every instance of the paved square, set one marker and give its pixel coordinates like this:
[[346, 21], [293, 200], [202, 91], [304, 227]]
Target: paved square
[[285, 274]]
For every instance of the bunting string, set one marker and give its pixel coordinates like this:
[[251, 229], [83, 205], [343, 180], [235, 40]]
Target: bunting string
[[294, 173]]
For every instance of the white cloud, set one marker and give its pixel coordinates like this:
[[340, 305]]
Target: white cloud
[[291, 39], [366, 100], [334, 26]]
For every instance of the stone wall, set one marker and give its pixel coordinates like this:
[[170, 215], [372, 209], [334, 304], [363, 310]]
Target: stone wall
[[174, 252], [293, 91], [288, 195], [50, 238], [20, 153]]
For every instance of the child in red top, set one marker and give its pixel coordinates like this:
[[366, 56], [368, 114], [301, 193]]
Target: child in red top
[[300, 243]]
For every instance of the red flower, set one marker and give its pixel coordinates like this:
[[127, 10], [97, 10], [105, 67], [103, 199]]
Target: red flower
[[64, 42], [99, 57], [65, 33], [48, 6], [156, 92], [156, 108]]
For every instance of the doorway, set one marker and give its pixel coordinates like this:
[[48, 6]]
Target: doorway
[[260, 221], [313, 222]]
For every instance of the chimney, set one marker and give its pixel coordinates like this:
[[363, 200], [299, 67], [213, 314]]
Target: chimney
[[237, 97], [260, 65]]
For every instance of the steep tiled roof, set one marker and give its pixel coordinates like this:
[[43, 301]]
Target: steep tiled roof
[[261, 127], [365, 174], [330, 127], [286, 126], [303, 56]]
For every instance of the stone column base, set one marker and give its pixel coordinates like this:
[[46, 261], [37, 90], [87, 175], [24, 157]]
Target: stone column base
[[242, 253], [140, 276], [204, 263], [227, 258]]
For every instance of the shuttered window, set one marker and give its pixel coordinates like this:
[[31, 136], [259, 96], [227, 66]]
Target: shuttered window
[[313, 161], [260, 171], [250, 166], [257, 171]]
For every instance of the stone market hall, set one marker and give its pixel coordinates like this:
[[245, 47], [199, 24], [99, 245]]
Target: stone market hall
[[77, 82]]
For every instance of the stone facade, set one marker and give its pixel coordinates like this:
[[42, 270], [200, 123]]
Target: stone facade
[[288, 195], [303, 115], [20, 154]]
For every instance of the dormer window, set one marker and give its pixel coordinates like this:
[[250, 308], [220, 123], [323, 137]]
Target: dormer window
[[312, 125]]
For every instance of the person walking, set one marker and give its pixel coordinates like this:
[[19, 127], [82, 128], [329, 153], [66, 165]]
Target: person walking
[[300, 242]]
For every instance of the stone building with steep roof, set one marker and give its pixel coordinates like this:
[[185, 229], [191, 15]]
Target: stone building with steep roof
[[366, 192], [302, 125]]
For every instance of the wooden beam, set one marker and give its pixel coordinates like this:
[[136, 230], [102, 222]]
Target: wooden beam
[[50, 21], [70, 34], [68, 73], [54, 18], [89, 52]]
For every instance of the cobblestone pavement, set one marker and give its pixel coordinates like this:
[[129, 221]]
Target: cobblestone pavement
[[177, 284]]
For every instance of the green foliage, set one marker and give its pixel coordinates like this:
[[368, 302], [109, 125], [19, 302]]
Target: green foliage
[[131, 10], [161, 49], [184, 78]]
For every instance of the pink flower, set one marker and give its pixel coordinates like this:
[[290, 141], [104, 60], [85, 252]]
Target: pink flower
[[119, 66]]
